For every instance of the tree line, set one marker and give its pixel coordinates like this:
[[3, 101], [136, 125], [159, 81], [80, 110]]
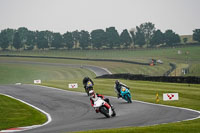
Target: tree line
[[145, 35]]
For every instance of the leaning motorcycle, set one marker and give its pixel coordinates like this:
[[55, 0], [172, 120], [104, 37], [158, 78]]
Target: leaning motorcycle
[[126, 95], [89, 86], [103, 107]]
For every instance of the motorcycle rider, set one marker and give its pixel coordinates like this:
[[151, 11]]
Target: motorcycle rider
[[94, 97], [85, 81], [118, 85]]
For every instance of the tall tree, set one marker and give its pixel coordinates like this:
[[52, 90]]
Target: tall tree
[[196, 35], [57, 41], [49, 36], [139, 37], [23, 33], [42, 42], [31, 40], [157, 38], [133, 35], [68, 40], [112, 38], [148, 29], [171, 38], [98, 38], [4, 40], [84, 39], [9, 33], [76, 38], [17, 41], [125, 38]]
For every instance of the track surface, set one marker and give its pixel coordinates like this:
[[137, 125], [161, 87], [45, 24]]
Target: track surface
[[71, 111]]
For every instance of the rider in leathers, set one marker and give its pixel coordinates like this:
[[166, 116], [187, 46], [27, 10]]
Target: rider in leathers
[[94, 97], [85, 81], [118, 85]]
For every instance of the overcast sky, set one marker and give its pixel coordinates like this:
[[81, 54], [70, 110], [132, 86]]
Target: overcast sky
[[182, 16]]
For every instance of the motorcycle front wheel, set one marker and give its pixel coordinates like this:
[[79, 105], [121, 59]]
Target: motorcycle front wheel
[[128, 99], [114, 114], [104, 111]]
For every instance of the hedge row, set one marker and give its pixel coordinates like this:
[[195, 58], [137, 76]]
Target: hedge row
[[172, 79]]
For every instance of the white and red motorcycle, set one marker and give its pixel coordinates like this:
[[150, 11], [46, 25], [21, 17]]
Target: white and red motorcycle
[[103, 107]]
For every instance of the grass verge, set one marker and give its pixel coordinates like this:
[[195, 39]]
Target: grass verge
[[13, 113]]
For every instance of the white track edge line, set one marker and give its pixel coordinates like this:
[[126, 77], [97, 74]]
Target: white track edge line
[[175, 108], [49, 119]]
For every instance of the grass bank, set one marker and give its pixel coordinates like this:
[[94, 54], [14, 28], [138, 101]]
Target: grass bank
[[182, 56], [16, 114], [114, 67], [143, 55], [27, 73]]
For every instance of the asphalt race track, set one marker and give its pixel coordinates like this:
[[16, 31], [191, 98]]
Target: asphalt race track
[[71, 111]]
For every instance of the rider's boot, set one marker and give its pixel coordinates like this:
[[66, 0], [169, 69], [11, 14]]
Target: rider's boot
[[119, 95]]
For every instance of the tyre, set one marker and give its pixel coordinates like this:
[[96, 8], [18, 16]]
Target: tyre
[[104, 111], [129, 99], [114, 114]]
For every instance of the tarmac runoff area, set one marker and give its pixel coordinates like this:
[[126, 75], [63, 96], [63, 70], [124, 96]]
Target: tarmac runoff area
[[71, 111]]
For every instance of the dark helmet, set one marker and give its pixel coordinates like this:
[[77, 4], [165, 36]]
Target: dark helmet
[[86, 79], [117, 82]]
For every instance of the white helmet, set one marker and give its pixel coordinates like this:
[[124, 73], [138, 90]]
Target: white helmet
[[91, 93]]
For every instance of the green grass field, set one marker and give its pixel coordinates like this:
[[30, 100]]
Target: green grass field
[[16, 114], [140, 54], [187, 58], [114, 67], [27, 73], [59, 77]]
